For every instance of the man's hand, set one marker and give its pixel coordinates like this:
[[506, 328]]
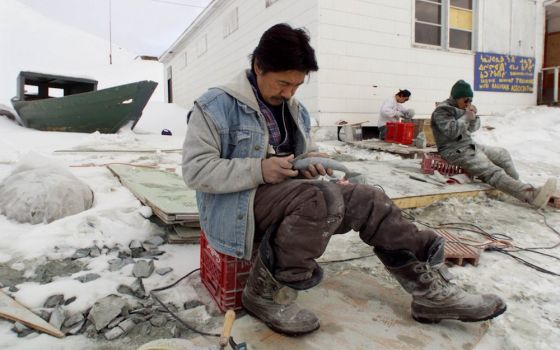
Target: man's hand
[[471, 112], [277, 169], [315, 170]]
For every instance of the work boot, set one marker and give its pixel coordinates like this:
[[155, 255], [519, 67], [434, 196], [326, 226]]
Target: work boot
[[434, 297], [273, 303], [539, 197]]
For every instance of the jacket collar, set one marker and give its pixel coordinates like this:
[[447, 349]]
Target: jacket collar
[[240, 88]]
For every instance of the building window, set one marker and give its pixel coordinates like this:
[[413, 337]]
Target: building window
[[231, 23], [444, 23]]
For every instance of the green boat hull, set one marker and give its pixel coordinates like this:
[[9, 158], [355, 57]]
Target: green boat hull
[[104, 110]]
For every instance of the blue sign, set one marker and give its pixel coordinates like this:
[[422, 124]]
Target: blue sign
[[503, 73]]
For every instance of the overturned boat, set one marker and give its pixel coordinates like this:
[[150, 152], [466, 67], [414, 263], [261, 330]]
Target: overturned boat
[[59, 103]]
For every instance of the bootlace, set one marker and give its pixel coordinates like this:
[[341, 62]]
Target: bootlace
[[438, 288]]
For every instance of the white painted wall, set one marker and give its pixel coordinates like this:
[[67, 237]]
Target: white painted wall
[[369, 42], [226, 57], [360, 43]]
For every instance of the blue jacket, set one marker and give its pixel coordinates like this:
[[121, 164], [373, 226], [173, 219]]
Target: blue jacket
[[227, 138]]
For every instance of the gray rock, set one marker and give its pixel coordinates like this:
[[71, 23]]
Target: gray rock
[[118, 263], [77, 328], [146, 328], [81, 253], [87, 277], [164, 271], [127, 325], [114, 333], [138, 289], [73, 320], [143, 269], [19, 327], [124, 289], [115, 322], [105, 310], [158, 320], [156, 241], [13, 289], [44, 314], [152, 253], [57, 318], [136, 248], [70, 300], [21, 330], [54, 301], [95, 252], [149, 246]]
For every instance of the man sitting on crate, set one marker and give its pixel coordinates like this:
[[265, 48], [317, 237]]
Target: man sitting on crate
[[392, 110], [238, 153], [452, 122]]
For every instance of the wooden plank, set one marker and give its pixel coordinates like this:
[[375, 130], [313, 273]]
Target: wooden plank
[[403, 150], [12, 310], [425, 200], [165, 192]]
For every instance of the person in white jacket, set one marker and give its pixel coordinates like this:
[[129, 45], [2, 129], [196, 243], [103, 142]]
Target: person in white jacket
[[392, 110]]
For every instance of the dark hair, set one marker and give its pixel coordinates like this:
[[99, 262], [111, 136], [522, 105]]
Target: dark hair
[[283, 48], [404, 93]]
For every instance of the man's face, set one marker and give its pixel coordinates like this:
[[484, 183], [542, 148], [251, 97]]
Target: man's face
[[464, 102], [276, 87], [402, 99]]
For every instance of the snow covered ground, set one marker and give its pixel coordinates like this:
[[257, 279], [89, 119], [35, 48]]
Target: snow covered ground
[[531, 322], [532, 319]]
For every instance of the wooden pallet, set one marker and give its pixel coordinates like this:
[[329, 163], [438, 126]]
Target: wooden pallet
[[456, 252]]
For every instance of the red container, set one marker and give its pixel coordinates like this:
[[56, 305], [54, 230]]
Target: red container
[[224, 276], [433, 161], [391, 131], [405, 133]]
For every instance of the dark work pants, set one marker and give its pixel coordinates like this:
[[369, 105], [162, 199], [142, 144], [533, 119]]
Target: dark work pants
[[307, 213]]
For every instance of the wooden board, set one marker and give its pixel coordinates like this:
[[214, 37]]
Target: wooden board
[[358, 312], [165, 192], [12, 310], [406, 151], [425, 200]]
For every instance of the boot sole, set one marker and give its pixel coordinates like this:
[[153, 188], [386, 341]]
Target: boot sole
[[282, 331], [427, 320]]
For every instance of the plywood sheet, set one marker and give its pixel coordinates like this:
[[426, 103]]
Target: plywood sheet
[[358, 312], [165, 192]]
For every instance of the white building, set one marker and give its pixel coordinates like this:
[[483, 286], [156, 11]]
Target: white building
[[369, 49]]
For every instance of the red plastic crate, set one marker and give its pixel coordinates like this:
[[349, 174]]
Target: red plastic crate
[[391, 131], [433, 161], [224, 276], [405, 133]]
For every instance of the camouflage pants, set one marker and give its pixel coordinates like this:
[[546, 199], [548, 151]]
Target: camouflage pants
[[493, 165], [307, 213]]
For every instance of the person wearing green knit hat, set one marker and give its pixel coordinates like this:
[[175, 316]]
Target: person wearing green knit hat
[[452, 123]]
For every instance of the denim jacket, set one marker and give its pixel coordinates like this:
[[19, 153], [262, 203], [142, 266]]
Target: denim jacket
[[451, 129], [227, 138]]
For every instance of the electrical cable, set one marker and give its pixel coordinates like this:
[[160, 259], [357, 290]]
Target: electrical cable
[[172, 313]]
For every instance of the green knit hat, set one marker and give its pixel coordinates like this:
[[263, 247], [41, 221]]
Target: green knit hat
[[461, 89]]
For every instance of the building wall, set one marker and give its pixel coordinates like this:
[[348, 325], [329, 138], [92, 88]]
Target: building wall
[[226, 57], [367, 53]]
